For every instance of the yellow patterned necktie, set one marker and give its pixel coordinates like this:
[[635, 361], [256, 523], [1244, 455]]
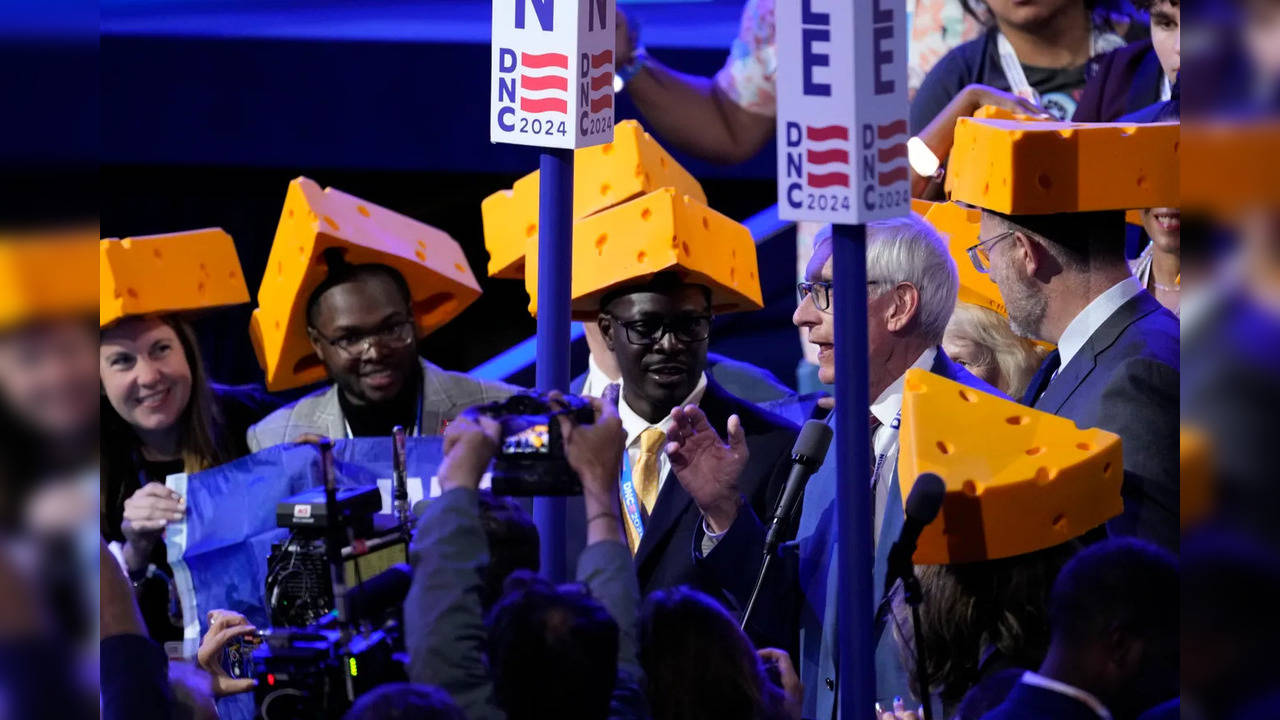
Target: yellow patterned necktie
[[644, 476]]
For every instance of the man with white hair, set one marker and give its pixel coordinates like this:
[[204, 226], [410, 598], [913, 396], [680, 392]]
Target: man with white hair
[[911, 292]]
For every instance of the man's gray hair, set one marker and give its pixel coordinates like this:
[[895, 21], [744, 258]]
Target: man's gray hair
[[908, 249]]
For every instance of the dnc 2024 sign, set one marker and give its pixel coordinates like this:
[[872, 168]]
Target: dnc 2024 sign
[[551, 80], [842, 110]]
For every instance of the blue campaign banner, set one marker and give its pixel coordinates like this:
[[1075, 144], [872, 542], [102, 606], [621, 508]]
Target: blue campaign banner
[[219, 552]]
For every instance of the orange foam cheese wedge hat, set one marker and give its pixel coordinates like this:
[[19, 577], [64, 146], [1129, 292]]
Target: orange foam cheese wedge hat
[[169, 273], [315, 220], [1018, 480]]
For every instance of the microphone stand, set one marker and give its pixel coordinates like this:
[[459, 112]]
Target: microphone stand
[[914, 596]]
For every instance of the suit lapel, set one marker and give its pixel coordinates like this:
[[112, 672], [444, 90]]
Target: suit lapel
[[672, 499], [1074, 373], [434, 396], [330, 415]]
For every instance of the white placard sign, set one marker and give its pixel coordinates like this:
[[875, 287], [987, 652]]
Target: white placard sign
[[842, 110], [551, 74]]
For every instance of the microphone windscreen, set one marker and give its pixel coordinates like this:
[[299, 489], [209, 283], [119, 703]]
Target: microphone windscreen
[[925, 499], [814, 439]]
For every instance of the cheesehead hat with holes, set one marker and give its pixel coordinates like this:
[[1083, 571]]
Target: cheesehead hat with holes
[[1018, 480], [959, 225], [174, 272], [1036, 168], [314, 220], [604, 176], [662, 231], [30, 291]]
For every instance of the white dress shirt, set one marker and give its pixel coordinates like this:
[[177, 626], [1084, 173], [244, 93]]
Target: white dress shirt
[[1084, 325], [596, 381], [634, 425], [885, 441], [1040, 681]]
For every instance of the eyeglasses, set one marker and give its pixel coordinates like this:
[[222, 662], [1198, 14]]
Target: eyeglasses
[[980, 254], [651, 331], [821, 292], [356, 344]]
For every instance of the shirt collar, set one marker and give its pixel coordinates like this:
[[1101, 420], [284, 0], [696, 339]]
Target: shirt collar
[[597, 380], [1040, 681], [1093, 316], [634, 424], [887, 406]]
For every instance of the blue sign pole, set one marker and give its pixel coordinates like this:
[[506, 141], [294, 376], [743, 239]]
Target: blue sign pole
[[854, 554], [555, 267]]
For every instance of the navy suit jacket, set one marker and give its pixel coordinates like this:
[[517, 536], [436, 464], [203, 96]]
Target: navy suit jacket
[[1029, 701], [1125, 380], [798, 601], [663, 559], [1121, 82]]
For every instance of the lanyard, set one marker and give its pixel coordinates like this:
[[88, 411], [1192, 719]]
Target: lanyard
[[1099, 43], [417, 422], [630, 500], [891, 441]]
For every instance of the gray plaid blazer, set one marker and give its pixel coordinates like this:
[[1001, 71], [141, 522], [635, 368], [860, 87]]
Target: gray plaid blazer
[[445, 395]]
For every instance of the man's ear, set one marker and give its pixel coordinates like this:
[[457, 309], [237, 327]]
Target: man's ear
[[315, 339], [605, 323], [1125, 649], [903, 309], [1028, 253]]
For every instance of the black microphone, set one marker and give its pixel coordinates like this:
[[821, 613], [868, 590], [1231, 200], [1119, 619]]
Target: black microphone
[[806, 457], [922, 506]]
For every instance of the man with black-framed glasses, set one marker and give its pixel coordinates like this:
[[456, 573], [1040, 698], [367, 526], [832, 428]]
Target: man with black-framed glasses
[[360, 322], [658, 330]]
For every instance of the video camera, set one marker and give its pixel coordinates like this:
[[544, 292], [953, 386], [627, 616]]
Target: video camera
[[335, 590], [531, 459]]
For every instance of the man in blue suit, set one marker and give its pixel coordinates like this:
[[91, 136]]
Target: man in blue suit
[[1114, 648], [1065, 281], [911, 292]]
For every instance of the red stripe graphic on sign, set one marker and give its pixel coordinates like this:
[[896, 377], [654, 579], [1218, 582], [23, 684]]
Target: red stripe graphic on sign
[[822, 157], [545, 60], [601, 59], [541, 105], [604, 102], [827, 132], [891, 153], [889, 177], [826, 180], [544, 82], [601, 81], [897, 127]]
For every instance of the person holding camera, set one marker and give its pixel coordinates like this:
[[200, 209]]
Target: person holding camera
[[547, 651]]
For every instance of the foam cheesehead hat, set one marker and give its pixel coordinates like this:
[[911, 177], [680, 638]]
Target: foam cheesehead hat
[[1017, 479], [637, 213], [47, 275], [604, 176], [960, 225], [1017, 167], [169, 273], [315, 220]]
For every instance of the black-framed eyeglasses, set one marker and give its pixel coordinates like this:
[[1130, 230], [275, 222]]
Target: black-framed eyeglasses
[[651, 331], [980, 254], [821, 292], [393, 336]]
